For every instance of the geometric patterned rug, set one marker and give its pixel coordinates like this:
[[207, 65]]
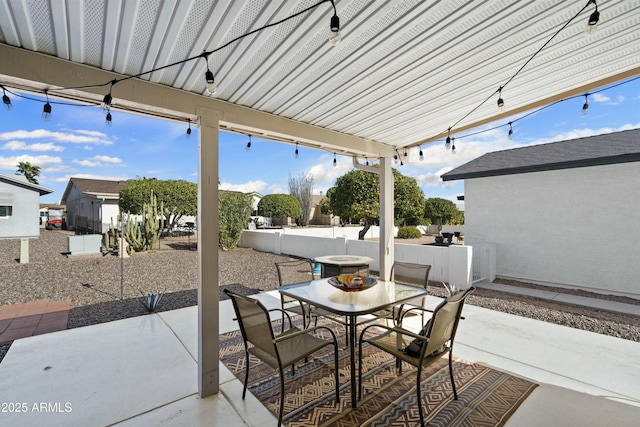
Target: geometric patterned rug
[[486, 396]]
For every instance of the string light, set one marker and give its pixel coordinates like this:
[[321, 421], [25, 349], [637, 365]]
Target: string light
[[335, 162], [108, 99], [335, 27], [500, 100], [366, 161], [208, 76], [46, 110], [107, 118], [453, 146], [189, 130], [447, 143], [249, 143], [6, 100], [510, 131], [421, 154], [297, 152], [585, 106], [592, 23]]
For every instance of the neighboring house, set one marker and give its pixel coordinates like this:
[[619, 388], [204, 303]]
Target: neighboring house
[[317, 217], [91, 204], [565, 213], [20, 207]]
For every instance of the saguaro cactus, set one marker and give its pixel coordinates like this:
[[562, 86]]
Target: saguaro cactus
[[145, 236]]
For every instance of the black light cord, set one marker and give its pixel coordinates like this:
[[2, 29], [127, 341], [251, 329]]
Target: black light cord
[[206, 53], [525, 64]]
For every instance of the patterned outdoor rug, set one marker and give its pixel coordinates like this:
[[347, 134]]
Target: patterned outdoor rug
[[486, 397]]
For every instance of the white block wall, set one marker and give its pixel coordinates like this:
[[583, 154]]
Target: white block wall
[[577, 228]]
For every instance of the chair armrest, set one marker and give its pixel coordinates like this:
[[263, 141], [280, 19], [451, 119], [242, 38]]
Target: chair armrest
[[305, 331], [287, 314], [404, 313], [396, 329]]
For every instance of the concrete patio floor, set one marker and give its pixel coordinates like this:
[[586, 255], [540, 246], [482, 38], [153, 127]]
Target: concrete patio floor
[[142, 372]]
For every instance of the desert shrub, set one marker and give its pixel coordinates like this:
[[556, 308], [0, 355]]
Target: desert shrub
[[409, 233]]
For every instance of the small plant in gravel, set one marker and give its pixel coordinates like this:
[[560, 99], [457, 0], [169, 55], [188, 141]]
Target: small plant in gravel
[[151, 301]]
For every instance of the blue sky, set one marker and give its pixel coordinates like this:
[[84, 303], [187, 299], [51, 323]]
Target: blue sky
[[77, 143]]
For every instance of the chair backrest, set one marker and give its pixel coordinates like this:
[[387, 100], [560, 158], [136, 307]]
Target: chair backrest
[[254, 321], [296, 271], [410, 273], [444, 321]]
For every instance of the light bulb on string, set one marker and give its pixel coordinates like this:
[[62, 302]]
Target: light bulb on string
[[592, 23], [108, 119], [249, 143], [453, 146], [46, 110], [6, 100], [366, 161], [510, 131], [585, 106], [447, 143], [297, 152], [335, 162], [421, 154], [108, 99], [500, 100], [208, 76], [189, 130], [334, 26]]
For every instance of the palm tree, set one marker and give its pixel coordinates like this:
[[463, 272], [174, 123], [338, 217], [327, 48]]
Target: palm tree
[[29, 171]]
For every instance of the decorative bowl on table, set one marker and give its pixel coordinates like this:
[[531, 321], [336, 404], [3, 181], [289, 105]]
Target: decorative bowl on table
[[352, 283]]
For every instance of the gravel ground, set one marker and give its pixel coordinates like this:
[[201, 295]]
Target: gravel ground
[[94, 284]]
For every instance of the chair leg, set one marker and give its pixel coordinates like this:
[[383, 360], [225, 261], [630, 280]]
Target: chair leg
[[419, 400], [359, 369], [246, 375], [281, 398], [453, 383], [335, 360]]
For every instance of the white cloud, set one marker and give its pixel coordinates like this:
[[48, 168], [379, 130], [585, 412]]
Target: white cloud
[[598, 97], [248, 187], [80, 138], [99, 161], [11, 163], [90, 176], [585, 132], [19, 145]]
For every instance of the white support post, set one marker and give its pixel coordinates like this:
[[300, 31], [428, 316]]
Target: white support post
[[208, 232], [386, 218]]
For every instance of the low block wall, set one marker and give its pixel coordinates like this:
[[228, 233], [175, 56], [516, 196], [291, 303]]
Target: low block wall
[[451, 264]]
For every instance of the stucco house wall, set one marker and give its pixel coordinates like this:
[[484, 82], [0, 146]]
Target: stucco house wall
[[575, 227], [91, 204], [21, 207], [565, 213]]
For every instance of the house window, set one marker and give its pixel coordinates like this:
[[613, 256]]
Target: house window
[[5, 211]]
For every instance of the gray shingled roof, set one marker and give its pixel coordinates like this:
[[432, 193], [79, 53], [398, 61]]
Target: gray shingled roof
[[611, 148], [98, 186]]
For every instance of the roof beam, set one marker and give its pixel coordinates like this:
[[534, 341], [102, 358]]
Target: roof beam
[[35, 71]]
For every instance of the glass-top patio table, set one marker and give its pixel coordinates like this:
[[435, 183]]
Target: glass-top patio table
[[320, 293]]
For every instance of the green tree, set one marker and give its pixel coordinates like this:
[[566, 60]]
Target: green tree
[[301, 187], [178, 197], [29, 171], [234, 211], [439, 210], [408, 200], [279, 206], [356, 195]]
